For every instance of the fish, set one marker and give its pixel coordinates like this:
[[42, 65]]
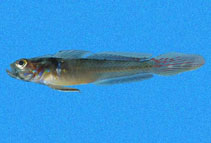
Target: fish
[[75, 67]]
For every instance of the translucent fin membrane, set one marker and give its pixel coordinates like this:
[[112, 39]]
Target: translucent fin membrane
[[71, 54], [120, 56], [63, 88], [77, 54], [68, 54], [174, 63], [124, 79]]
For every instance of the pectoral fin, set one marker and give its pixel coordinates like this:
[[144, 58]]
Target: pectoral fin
[[63, 88]]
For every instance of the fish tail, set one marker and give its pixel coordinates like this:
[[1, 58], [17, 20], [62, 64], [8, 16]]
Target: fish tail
[[175, 63]]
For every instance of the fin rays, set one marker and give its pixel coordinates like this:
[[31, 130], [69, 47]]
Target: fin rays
[[124, 79], [120, 56], [174, 63]]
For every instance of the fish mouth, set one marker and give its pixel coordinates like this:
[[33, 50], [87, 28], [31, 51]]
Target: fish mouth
[[12, 72]]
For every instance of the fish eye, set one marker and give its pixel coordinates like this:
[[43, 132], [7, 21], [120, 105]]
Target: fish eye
[[21, 63]]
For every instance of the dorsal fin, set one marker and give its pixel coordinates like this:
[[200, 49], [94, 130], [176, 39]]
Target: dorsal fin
[[120, 56], [77, 54], [71, 54], [68, 54]]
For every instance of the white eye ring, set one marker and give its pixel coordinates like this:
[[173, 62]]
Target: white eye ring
[[21, 64]]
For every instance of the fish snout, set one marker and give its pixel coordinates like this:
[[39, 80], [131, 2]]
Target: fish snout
[[12, 72]]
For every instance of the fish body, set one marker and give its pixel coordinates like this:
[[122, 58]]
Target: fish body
[[82, 71], [73, 67]]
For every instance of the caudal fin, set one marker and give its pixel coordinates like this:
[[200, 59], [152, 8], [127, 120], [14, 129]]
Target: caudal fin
[[174, 63]]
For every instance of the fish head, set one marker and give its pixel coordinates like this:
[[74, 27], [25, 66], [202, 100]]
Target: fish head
[[22, 69]]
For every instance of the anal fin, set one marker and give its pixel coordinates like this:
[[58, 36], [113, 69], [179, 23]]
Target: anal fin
[[124, 79]]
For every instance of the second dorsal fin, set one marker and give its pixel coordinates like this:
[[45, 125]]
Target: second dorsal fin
[[120, 56]]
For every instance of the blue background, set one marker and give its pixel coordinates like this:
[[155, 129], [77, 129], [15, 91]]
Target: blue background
[[162, 109]]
